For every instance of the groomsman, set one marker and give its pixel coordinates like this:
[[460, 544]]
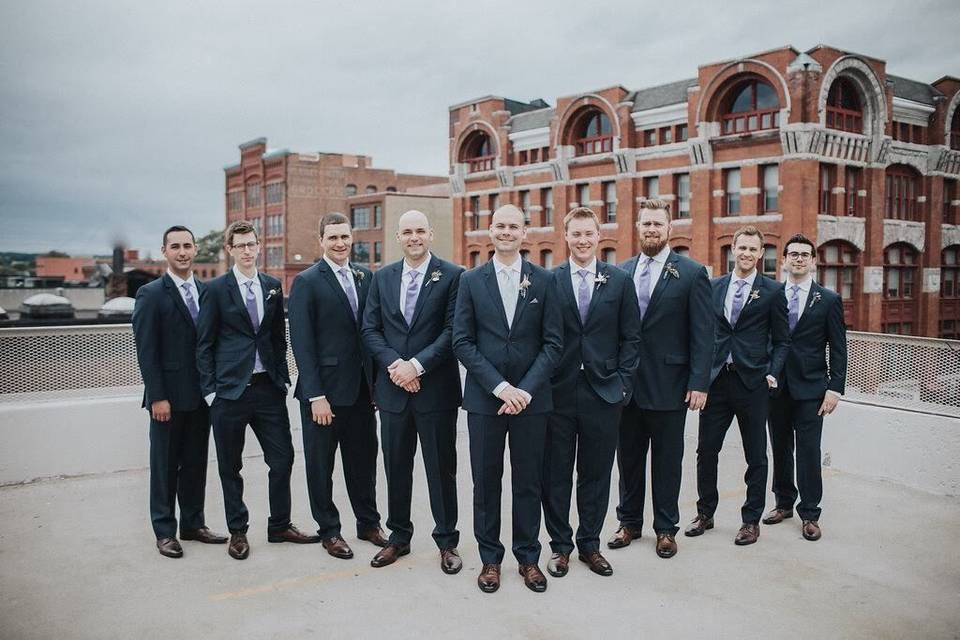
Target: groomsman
[[164, 328], [751, 314], [673, 375], [507, 332], [242, 358], [407, 327], [326, 309], [601, 334], [810, 387]]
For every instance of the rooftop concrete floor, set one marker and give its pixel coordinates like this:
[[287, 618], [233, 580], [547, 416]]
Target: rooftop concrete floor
[[77, 560]]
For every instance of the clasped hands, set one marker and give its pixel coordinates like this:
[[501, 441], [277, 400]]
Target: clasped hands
[[514, 400], [404, 374]]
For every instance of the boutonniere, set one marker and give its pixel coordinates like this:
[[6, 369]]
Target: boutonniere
[[270, 294], [601, 279], [670, 269], [435, 276], [357, 275], [814, 299], [524, 285], [754, 295]]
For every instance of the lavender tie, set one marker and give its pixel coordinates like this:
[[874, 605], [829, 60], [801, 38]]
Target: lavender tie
[[643, 287], [793, 310], [191, 303], [737, 305], [348, 288], [410, 302], [251, 302], [583, 295]]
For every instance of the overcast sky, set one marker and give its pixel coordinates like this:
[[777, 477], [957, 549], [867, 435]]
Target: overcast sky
[[117, 118]]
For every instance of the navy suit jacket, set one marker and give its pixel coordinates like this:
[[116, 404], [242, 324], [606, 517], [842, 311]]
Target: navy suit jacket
[[428, 338], [523, 354], [227, 342], [806, 373], [761, 338], [166, 340], [677, 334], [325, 335], [606, 345]]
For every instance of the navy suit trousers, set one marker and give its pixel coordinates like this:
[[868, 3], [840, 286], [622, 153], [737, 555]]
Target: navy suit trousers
[[796, 420], [178, 470]]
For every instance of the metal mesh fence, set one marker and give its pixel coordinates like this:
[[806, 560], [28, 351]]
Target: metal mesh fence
[[921, 374]]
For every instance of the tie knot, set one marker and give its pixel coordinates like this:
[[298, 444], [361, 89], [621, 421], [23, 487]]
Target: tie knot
[[186, 287], [414, 275], [795, 288], [740, 284], [249, 284], [583, 273]]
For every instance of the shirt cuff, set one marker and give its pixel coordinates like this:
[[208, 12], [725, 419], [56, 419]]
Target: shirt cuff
[[526, 394], [835, 393], [314, 399], [500, 387], [419, 367], [209, 397], [772, 381]]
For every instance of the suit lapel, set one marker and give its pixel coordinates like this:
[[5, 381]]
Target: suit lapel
[[566, 289], [522, 301], [807, 310], [663, 283], [269, 302], [426, 288], [392, 279], [177, 299], [719, 295], [493, 288], [598, 289], [333, 280], [749, 302], [233, 290]]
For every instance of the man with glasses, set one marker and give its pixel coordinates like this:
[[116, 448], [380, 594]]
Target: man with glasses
[[810, 388], [242, 359]]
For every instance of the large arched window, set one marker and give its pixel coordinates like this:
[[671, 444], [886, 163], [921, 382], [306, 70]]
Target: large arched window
[[837, 266], [752, 105], [900, 288], [593, 133], [955, 129], [903, 187], [844, 107], [478, 152]]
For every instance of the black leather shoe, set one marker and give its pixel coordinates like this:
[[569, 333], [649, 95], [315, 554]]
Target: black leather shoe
[[558, 565], [292, 534], [204, 535], [597, 563], [169, 547], [450, 562], [699, 524], [239, 548], [389, 555]]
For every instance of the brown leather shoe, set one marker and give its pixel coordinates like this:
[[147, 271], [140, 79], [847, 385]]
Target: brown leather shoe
[[597, 563], [374, 536], [533, 578], [450, 562], [489, 578], [558, 564], [623, 537], [811, 530], [169, 547], [748, 534], [292, 534], [337, 547], [204, 535], [699, 524], [666, 545], [777, 515], [239, 548], [389, 555]]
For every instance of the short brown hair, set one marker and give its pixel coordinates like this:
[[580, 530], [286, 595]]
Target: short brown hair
[[655, 204], [332, 218], [581, 213], [799, 238], [748, 230], [238, 227]]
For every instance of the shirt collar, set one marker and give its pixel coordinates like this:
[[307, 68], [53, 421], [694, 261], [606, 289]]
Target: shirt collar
[[750, 278], [499, 266], [179, 282], [422, 269], [592, 267], [660, 257], [242, 279], [804, 286], [333, 265]]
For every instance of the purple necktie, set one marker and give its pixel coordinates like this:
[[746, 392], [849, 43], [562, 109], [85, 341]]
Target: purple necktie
[[191, 303], [793, 310], [251, 302], [410, 301], [348, 289], [643, 287], [583, 295], [737, 306]]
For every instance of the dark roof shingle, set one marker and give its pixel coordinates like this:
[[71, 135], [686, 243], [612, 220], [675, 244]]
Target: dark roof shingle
[[663, 95], [913, 90]]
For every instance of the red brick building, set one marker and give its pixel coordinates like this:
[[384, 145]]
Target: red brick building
[[284, 194], [823, 142]]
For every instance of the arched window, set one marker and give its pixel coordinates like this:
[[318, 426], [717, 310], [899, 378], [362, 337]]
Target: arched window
[[371, 188], [478, 152], [391, 189], [837, 266], [770, 264], [474, 259], [546, 259], [609, 255], [350, 190], [903, 190], [682, 251], [728, 261], [844, 108], [955, 130], [593, 133], [752, 105], [900, 288]]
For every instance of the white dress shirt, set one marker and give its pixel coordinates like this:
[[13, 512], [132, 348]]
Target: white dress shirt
[[732, 289], [336, 272], [404, 285], [191, 284], [508, 295], [575, 277], [657, 263], [803, 294]]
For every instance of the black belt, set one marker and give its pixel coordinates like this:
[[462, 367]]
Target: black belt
[[259, 378], [729, 366]]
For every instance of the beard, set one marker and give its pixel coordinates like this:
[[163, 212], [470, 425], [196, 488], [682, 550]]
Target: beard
[[651, 247]]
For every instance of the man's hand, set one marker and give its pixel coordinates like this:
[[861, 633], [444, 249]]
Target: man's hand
[[696, 400], [771, 382], [402, 372], [514, 400], [830, 401], [321, 412], [413, 386], [160, 410]]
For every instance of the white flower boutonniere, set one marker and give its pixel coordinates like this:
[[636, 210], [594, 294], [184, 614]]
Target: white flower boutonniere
[[814, 299], [435, 276], [601, 279], [670, 269], [357, 275], [270, 294], [524, 285], [754, 295]]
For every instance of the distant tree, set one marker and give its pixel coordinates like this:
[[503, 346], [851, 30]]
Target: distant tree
[[209, 246], [56, 254]]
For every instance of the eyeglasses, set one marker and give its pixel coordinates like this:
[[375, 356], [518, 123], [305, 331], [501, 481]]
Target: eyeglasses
[[794, 255], [246, 245]]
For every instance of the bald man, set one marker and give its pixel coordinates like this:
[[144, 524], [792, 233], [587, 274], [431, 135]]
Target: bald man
[[407, 327]]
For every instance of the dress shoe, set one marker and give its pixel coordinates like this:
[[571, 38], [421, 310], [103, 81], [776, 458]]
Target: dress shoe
[[777, 515], [389, 554], [533, 578], [292, 534], [337, 547], [374, 536], [811, 530], [203, 535], [558, 564], [666, 545], [699, 524], [169, 547], [748, 534], [597, 563], [489, 578], [450, 562], [239, 548], [623, 537]]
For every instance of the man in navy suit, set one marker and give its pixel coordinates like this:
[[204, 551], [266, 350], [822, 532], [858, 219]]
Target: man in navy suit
[[326, 309], [242, 358], [752, 340], [810, 387], [408, 324], [601, 335], [165, 331], [673, 375], [508, 333]]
